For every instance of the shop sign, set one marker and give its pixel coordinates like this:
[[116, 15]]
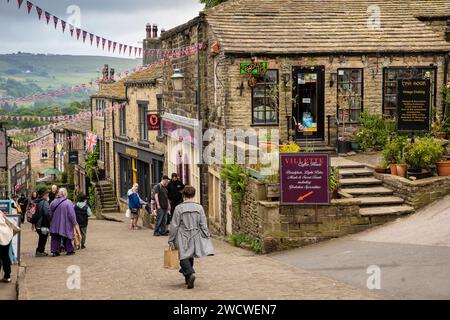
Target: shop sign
[[253, 67], [414, 105], [131, 152], [304, 178], [153, 122], [73, 157]]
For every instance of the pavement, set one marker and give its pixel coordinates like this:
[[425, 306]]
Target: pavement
[[123, 264], [8, 290], [413, 254]]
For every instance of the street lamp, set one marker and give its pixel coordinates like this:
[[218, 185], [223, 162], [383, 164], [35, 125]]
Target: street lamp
[[178, 79]]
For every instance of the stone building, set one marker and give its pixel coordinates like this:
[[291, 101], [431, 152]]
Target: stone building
[[304, 69], [41, 156], [19, 172]]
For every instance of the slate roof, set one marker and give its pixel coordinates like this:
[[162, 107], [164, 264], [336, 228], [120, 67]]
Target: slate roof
[[326, 26], [115, 90], [148, 75], [15, 157]]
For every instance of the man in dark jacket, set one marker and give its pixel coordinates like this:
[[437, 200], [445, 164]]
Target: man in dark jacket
[[41, 221], [23, 203], [174, 189], [83, 212]]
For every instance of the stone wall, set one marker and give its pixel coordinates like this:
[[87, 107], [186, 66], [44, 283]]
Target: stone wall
[[417, 193], [37, 165]]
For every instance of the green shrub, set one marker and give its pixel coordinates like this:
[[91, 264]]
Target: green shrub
[[393, 151], [242, 240], [237, 179], [423, 153], [334, 179], [375, 131]]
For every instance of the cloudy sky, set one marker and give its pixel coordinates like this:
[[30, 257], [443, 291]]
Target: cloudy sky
[[118, 20]]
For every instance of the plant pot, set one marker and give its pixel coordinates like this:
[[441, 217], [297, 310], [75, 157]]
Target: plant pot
[[393, 168], [356, 146], [443, 168], [344, 146], [273, 190], [440, 135], [419, 173], [380, 170], [402, 170]]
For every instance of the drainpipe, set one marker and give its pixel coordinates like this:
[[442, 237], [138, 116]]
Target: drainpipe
[[114, 152], [446, 65], [92, 118], [199, 114]]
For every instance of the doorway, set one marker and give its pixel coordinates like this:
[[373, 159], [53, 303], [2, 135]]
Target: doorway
[[308, 110]]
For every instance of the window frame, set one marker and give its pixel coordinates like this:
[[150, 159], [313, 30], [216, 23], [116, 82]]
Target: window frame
[[337, 94], [432, 90], [123, 121], [142, 120], [47, 151], [277, 84]]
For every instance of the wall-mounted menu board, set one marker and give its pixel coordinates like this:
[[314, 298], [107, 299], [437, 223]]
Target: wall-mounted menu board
[[414, 107]]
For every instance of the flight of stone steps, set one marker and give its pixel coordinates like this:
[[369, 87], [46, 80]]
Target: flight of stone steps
[[376, 200]]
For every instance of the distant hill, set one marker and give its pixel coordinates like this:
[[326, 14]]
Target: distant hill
[[24, 73]]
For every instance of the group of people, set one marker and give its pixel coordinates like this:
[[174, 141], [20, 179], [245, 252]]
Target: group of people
[[174, 205]]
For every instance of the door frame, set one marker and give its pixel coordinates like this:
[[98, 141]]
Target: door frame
[[320, 71]]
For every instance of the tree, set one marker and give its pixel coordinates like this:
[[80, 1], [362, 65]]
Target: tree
[[211, 3]]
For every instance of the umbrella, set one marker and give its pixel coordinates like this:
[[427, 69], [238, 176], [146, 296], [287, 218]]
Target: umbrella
[[48, 172]]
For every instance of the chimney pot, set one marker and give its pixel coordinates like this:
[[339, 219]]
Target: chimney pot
[[149, 30], [155, 31]]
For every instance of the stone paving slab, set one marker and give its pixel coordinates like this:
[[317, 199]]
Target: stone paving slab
[[123, 264]]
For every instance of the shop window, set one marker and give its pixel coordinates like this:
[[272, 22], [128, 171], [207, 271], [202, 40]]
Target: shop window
[[123, 121], [44, 154], [350, 95], [265, 99], [143, 130], [390, 83]]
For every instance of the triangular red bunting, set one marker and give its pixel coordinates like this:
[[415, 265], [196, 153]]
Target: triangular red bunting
[[29, 6], [55, 20], [131, 48], [63, 25], [19, 2], [120, 47], [72, 29], [47, 16], [140, 51], [98, 41], [125, 49], [135, 52], [78, 33], [103, 43], [84, 36], [109, 45], [114, 46], [39, 12], [92, 38]]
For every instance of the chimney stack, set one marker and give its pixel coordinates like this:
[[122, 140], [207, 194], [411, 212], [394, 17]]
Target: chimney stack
[[149, 30], [155, 31]]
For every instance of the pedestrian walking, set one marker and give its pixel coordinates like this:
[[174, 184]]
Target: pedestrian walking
[[53, 193], [41, 221], [6, 235], [63, 224], [162, 206], [83, 212], [23, 204], [174, 189], [135, 203], [190, 235], [34, 196]]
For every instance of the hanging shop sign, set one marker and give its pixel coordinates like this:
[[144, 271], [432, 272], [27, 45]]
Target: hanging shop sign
[[304, 178], [414, 112], [253, 67], [73, 157], [153, 122]]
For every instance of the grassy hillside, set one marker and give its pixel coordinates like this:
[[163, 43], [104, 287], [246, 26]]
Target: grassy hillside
[[23, 73]]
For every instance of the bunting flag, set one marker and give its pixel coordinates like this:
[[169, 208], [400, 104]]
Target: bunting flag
[[114, 46], [120, 48], [78, 33], [55, 20], [19, 2], [130, 49], [125, 49], [39, 12], [91, 36], [47, 17], [29, 7], [103, 43], [84, 36], [98, 41], [72, 29], [63, 26], [109, 45]]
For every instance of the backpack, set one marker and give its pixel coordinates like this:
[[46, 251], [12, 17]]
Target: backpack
[[31, 211]]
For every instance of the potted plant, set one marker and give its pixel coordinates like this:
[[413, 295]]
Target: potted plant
[[381, 167], [334, 182], [392, 152], [272, 186], [344, 145], [422, 155], [443, 167], [438, 127]]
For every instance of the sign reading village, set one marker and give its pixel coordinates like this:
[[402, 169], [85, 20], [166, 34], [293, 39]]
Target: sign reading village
[[414, 105], [305, 178]]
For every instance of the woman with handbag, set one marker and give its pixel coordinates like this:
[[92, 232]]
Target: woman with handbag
[[7, 230], [135, 203], [189, 234]]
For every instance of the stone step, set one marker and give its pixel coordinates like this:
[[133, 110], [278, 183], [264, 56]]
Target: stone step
[[386, 210], [375, 201], [356, 172], [350, 182], [372, 191]]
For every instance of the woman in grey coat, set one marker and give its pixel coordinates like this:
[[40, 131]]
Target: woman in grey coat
[[189, 234]]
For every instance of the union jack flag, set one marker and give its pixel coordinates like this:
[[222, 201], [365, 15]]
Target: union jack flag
[[91, 142]]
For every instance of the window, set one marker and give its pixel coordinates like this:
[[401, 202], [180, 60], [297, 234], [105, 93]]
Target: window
[[143, 131], [391, 77], [350, 94], [100, 105], [101, 147], [44, 154], [123, 121], [265, 99]]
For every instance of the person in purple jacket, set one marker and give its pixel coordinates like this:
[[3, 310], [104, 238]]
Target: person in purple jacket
[[63, 224]]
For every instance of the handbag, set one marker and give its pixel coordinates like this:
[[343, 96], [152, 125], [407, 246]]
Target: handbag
[[171, 259], [13, 226], [128, 213]]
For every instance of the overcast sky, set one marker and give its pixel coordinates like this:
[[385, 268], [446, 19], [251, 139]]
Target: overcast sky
[[118, 20]]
